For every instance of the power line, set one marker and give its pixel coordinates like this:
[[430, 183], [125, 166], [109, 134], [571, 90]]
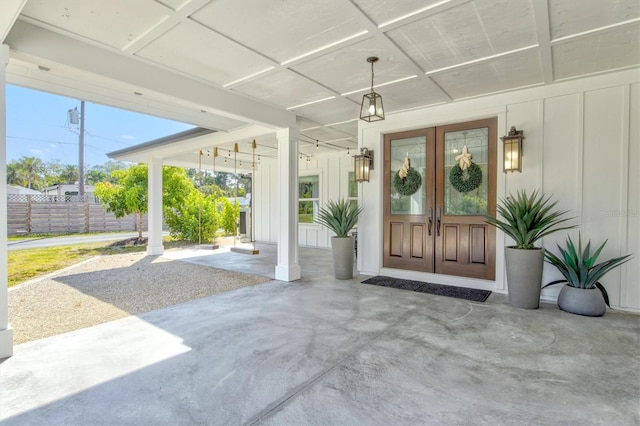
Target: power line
[[107, 139], [47, 141]]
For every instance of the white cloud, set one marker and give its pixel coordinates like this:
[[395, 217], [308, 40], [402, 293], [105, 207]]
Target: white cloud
[[128, 137], [37, 152]]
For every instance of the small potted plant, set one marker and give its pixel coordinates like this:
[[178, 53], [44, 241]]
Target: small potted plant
[[340, 217], [527, 218], [583, 294]]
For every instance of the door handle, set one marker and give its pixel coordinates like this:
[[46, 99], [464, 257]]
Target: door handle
[[438, 220], [430, 221]]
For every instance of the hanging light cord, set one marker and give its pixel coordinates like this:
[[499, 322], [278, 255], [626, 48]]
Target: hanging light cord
[[372, 62]]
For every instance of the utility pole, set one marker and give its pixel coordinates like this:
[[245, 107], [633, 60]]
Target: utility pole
[[74, 119]]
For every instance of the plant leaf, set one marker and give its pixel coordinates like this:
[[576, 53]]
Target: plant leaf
[[604, 293]]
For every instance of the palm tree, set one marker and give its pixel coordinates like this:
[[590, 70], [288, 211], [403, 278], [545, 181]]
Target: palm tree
[[33, 169], [15, 175], [69, 173]]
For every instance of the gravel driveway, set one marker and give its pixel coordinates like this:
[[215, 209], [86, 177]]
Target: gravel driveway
[[106, 288]]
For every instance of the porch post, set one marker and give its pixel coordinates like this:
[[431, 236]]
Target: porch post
[[6, 334], [287, 268], [154, 242]]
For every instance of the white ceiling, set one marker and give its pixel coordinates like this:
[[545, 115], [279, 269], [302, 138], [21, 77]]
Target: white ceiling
[[228, 64]]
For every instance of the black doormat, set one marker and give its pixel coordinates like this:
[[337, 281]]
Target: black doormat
[[465, 293]]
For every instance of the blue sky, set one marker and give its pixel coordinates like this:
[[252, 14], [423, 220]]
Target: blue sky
[[37, 127]]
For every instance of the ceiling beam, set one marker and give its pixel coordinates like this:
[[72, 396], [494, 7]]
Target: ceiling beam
[[11, 9], [41, 43], [541, 16]]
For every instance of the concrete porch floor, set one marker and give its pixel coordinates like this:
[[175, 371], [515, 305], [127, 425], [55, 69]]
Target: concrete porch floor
[[327, 352]]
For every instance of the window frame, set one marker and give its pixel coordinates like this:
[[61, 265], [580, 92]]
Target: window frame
[[316, 200]]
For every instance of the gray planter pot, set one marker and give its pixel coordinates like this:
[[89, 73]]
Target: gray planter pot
[[342, 249], [582, 301], [524, 276]]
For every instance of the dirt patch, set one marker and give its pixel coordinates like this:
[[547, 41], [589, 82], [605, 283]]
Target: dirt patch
[[129, 242]]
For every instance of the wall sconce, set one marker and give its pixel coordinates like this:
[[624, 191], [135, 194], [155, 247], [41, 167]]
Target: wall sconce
[[371, 106], [512, 160], [363, 164]]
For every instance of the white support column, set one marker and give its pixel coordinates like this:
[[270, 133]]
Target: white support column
[[154, 243], [6, 334], [287, 268]]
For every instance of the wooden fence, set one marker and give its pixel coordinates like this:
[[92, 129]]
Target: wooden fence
[[50, 214]]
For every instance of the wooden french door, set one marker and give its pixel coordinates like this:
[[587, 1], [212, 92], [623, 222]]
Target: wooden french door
[[438, 228]]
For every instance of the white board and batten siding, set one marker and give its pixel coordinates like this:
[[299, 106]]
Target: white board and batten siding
[[332, 170], [582, 147]]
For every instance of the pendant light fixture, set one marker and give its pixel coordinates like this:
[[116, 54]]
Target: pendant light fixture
[[371, 108]]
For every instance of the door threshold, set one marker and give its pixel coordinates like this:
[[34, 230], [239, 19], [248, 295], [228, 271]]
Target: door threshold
[[451, 280]]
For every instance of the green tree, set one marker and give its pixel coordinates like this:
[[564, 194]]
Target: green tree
[[96, 174], [102, 172], [229, 214], [69, 173], [15, 174], [212, 189], [27, 171], [196, 219], [129, 195]]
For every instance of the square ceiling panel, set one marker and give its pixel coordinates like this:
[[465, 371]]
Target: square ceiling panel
[[347, 69], [408, 94], [303, 124], [281, 30], [470, 31], [284, 88], [605, 51], [383, 11], [568, 17], [349, 128], [488, 77], [197, 51], [115, 23], [333, 111]]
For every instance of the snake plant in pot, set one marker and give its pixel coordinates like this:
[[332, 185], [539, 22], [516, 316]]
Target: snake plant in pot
[[583, 294], [527, 218], [340, 217]]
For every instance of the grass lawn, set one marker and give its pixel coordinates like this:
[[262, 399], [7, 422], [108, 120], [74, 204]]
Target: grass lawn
[[31, 263]]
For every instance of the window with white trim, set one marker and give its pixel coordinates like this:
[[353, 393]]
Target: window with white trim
[[308, 198]]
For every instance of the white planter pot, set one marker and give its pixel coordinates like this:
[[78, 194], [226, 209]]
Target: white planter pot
[[342, 249]]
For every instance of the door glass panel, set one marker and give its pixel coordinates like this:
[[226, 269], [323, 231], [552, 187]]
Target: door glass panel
[[460, 196], [415, 150]]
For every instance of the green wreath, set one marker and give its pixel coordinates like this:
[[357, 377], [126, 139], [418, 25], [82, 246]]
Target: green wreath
[[408, 185], [465, 182]]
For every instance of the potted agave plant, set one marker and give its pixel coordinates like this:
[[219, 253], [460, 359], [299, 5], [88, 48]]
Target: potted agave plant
[[527, 218], [583, 294], [340, 217]]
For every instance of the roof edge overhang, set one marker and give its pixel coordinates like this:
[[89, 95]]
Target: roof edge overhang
[[149, 147]]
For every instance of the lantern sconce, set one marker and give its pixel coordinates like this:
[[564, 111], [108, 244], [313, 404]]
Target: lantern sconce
[[363, 164], [512, 160]]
